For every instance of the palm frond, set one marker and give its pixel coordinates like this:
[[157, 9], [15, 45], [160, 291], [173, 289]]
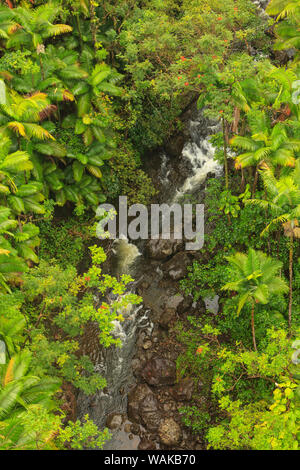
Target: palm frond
[[34, 130]]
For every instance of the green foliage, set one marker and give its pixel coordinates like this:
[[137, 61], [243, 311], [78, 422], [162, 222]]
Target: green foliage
[[77, 113], [194, 418], [253, 276], [230, 203], [287, 31], [81, 435], [37, 429], [266, 146], [258, 426], [65, 240], [56, 304], [125, 177]]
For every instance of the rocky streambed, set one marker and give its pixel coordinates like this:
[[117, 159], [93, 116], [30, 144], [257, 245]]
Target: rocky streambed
[[141, 404], [152, 419], [149, 418], [144, 395]]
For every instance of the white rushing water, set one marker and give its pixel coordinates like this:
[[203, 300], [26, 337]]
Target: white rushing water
[[202, 160], [126, 254], [199, 153]]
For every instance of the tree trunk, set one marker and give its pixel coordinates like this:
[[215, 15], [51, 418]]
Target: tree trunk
[[291, 283], [42, 67], [255, 182], [278, 244], [236, 120], [94, 23], [243, 181], [253, 328], [225, 139]]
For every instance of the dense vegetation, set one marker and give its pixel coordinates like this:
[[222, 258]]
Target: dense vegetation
[[87, 88]]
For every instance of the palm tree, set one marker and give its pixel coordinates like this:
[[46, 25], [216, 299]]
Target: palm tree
[[10, 262], [255, 280], [266, 146], [284, 203], [31, 27], [11, 332], [19, 388], [61, 71], [287, 31], [21, 392], [19, 195], [284, 8], [10, 165], [19, 116]]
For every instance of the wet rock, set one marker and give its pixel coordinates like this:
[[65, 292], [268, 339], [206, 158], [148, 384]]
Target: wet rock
[[69, 402], [174, 302], [114, 421], [135, 429], [198, 447], [167, 406], [127, 428], [183, 390], [185, 305], [146, 445], [169, 432], [159, 371], [167, 318], [212, 304], [148, 404], [161, 249], [135, 396], [151, 420], [176, 268], [148, 354], [150, 413], [136, 365], [141, 339], [175, 145]]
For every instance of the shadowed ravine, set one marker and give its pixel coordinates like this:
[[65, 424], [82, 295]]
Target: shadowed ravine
[[146, 263]]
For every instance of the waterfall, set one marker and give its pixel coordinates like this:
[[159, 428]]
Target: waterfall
[[199, 153], [125, 255]]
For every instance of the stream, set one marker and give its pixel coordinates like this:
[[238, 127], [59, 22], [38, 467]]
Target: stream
[[146, 264], [142, 401]]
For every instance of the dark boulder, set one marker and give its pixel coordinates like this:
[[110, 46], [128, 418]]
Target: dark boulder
[[114, 421], [145, 444], [161, 249], [169, 432], [183, 391], [176, 267], [167, 318], [175, 145], [159, 371], [135, 396]]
